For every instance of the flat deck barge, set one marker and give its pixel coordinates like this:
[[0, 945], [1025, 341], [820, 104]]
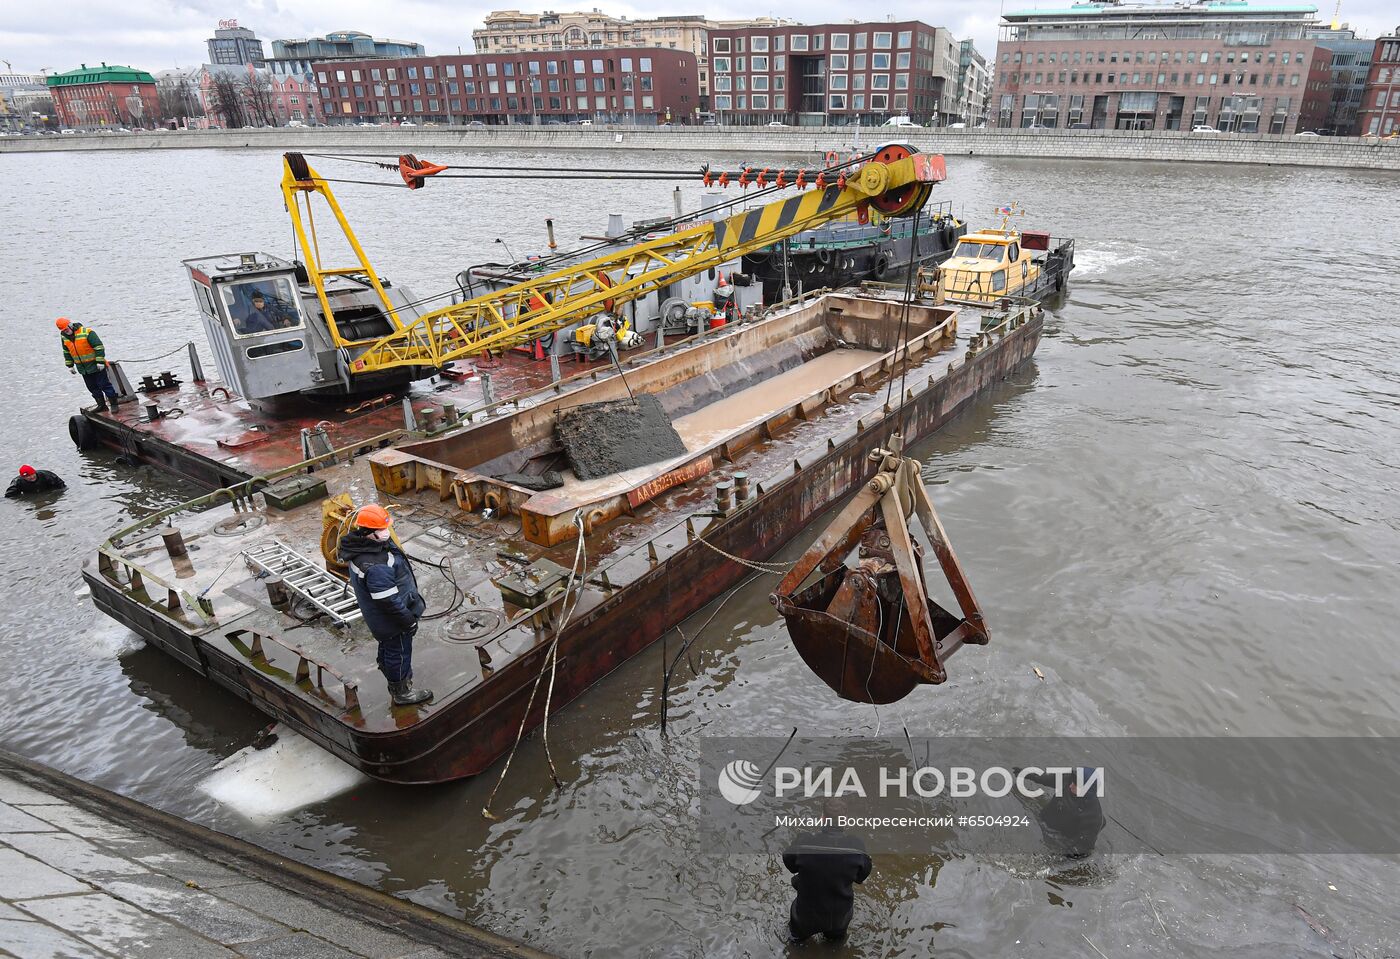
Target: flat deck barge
[[779, 417]]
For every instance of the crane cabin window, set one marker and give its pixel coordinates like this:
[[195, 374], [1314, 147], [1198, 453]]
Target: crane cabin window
[[265, 305]]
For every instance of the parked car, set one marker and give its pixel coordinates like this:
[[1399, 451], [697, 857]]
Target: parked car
[[903, 123], [776, 123], [585, 123], [710, 123], [1204, 128], [476, 123], [955, 126], [67, 132], [295, 123], [366, 123], [1307, 133], [1078, 126], [407, 123]]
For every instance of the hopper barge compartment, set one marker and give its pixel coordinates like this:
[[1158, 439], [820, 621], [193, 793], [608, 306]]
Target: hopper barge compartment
[[796, 402]]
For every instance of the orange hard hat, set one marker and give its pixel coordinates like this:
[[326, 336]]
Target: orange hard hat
[[62, 323], [373, 516]]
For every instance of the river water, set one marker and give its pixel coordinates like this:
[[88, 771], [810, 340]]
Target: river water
[[1183, 514]]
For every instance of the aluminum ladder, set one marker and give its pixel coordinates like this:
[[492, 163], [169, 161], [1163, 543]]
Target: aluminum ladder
[[327, 592]]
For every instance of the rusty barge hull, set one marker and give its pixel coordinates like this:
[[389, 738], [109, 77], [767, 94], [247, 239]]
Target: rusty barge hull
[[642, 597]]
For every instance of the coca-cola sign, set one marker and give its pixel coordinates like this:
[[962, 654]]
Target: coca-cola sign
[[228, 24]]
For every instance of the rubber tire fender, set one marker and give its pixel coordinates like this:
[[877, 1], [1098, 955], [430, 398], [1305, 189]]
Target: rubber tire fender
[[824, 257], [881, 268], [82, 433]]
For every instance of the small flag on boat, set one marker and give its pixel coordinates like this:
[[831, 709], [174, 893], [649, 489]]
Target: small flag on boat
[[1005, 210]]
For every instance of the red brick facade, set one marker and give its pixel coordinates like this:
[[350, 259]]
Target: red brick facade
[[90, 98], [645, 84], [1380, 104]]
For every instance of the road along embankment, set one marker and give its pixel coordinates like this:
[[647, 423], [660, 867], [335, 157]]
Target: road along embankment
[[1157, 146]]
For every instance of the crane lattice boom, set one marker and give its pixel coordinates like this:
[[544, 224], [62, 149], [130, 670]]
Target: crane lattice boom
[[896, 181]]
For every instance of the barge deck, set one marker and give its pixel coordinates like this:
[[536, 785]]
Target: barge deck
[[795, 402]]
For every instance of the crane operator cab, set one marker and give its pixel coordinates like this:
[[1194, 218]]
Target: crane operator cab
[[268, 332]]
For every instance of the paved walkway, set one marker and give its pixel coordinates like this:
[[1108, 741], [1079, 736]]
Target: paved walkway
[[81, 878]]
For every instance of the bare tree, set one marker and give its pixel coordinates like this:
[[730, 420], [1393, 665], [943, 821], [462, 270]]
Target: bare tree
[[226, 100], [258, 100]]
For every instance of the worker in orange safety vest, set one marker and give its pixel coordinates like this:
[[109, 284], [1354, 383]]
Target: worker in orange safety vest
[[83, 353]]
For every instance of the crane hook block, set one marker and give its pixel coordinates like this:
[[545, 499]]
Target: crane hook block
[[413, 170]]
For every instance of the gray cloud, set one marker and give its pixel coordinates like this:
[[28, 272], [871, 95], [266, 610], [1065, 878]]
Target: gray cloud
[[59, 36]]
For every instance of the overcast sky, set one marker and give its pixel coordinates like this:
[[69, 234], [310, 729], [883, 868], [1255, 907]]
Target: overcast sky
[[156, 34]]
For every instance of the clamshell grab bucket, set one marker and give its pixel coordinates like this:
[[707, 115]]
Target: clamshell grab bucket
[[870, 631]]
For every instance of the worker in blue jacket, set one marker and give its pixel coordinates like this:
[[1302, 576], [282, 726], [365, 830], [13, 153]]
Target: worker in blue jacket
[[388, 596]]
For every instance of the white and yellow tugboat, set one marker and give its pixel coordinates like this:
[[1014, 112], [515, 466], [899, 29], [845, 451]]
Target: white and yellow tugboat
[[993, 264]]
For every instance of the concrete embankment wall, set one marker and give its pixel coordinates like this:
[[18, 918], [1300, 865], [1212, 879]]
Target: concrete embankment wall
[[762, 142]]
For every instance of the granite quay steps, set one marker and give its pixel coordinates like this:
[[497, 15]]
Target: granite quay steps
[[87, 874]]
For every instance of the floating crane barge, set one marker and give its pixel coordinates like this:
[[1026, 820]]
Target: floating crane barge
[[782, 416]]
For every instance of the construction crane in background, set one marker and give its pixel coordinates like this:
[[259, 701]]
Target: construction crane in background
[[894, 181]]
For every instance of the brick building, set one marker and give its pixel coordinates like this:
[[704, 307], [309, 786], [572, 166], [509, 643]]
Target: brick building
[[1238, 65], [629, 84], [833, 74], [511, 31], [105, 96], [1380, 103]]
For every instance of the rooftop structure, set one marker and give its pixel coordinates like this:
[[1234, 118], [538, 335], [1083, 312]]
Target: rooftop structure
[[234, 44]]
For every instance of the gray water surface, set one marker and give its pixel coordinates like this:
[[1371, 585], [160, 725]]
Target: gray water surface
[[1183, 512]]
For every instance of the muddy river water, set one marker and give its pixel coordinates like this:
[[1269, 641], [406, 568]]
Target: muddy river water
[[1183, 514]]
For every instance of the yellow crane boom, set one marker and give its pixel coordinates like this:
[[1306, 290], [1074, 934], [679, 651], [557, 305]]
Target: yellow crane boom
[[896, 181]]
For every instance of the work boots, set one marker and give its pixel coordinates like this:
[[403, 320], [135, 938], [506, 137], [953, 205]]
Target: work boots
[[403, 693], [112, 404]]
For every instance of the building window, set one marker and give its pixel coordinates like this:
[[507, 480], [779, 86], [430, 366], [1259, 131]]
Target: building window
[[837, 101], [760, 102], [906, 38], [799, 43], [840, 41], [879, 101], [879, 61], [723, 102], [837, 81], [759, 44], [759, 83], [859, 61], [758, 63], [882, 41], [839, 61], [644, 64], [902, 61], [720, 45]]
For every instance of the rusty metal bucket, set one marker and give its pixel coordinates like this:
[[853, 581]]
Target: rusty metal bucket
[[870, 631]]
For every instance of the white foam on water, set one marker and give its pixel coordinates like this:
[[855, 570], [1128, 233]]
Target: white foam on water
[[110, 638], [1090, 262], [264, 784]]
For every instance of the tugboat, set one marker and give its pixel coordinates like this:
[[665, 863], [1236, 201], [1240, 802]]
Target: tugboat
[[994, 264], [847, 252]]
